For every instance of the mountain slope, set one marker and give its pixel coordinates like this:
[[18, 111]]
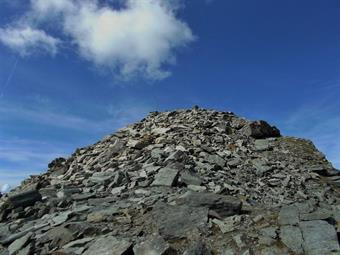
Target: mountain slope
[[182, 182]]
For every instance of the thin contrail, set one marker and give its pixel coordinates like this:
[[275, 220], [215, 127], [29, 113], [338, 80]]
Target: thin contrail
[[10, 76]]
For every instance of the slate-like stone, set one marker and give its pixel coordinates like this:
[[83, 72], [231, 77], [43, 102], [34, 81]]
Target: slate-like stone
[[153, 245], [319, 237], [24, 199], [165, 177], [289, 215], [222, 205], [198, 248], [168, 218], [291, 236], [19, 243], [110, 245], [190, 178]]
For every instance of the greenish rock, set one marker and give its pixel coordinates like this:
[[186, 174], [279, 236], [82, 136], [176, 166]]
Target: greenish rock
[[319, 237], [109, 245], [291, 236]]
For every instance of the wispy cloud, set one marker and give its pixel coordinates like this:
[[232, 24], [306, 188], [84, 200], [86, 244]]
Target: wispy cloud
[[9, 78], [116, 117], [21, 157], [319, 121], [26, 40], [134, 38]]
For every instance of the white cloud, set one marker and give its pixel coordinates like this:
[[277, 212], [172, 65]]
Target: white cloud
[[140, 37], [5, 188], [26, 40]]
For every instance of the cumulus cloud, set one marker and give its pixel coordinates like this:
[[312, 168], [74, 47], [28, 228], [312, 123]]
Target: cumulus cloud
[[27, 40], [135, 37]]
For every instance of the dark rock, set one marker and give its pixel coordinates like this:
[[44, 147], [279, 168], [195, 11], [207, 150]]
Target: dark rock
[[167, 218], [24, 199], [223, 205], [259, 130]]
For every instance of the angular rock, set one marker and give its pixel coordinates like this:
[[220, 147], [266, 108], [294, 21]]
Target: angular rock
[[259, 130], [319, 237], [19, 243], [198, 248], [110, 245], [165, 177], [289, 215], [291, 236], [223, 205], [24, 199], [153, 245], [190, 178], [168, 218]]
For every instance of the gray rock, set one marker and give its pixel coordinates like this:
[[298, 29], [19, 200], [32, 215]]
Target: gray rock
[[234, 162], [269, 232], [289, 215], [78, 243], [165, 177], [215, 160], [59, 236], [198, 248], [229, 224], [228, 252], [262, 144], [19, 243], [319, 237], [261, 166], [24, 199], [190, 178], [103, 214], [291, 236], [102, 177], [28, 250], [61, 218], [239, 240], [223, 205], [319, 214], [153, 245], [167, 218], [110, 246]]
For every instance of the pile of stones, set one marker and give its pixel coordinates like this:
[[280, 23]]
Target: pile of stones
[[186, 182]]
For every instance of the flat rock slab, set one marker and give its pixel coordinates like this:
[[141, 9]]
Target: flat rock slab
[[110, 246], [291, 236], [153, 245], [224, 206], [25, 199], [165, 177], [289, 215], [319, 237], [19, 243], [176, 222]]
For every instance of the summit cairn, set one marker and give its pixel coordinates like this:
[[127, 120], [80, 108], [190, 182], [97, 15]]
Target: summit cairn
[[185, 182]]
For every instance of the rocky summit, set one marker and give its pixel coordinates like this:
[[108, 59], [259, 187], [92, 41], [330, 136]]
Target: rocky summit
[[186, 182]]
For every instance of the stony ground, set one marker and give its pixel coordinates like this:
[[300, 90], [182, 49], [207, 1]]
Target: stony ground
[[191, 182]]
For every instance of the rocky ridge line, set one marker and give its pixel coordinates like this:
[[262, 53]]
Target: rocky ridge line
[[191, 182]]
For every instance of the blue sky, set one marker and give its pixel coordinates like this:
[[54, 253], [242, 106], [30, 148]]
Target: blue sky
[[68, 80]]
